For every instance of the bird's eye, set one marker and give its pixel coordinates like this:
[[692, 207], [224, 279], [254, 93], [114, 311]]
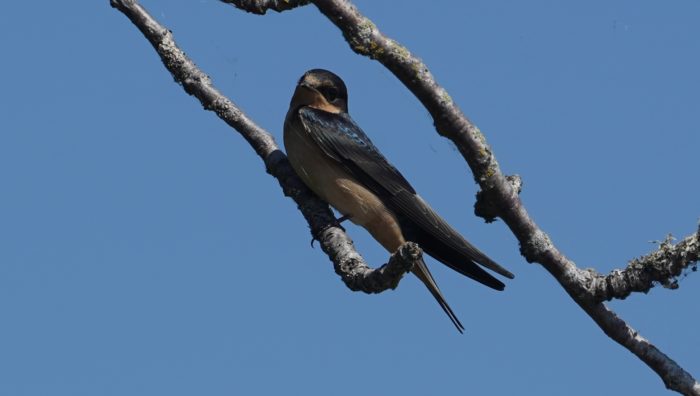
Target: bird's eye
[[330, 93]]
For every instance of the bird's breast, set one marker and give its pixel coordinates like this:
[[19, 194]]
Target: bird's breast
[[330, 181]]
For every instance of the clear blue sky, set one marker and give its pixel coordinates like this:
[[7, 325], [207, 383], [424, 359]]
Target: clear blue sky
[[144, 251]]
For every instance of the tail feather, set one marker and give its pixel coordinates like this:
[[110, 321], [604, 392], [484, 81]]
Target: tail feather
[[422, 272], [458, 260], [421, 224]]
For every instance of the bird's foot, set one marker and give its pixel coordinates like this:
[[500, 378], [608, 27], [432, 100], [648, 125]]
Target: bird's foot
[[335, 223]]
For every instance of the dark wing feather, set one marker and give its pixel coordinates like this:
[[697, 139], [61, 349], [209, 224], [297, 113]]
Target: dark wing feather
[[342, 139]]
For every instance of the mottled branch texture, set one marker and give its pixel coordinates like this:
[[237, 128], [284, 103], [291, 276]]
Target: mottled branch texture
[[498, 197], [663, 267], [353, 270]]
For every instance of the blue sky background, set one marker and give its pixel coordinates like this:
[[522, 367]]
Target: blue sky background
[[144, 251]]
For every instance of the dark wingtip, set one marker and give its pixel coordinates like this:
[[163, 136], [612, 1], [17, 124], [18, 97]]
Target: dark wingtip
[[486, 262], [485, 278]]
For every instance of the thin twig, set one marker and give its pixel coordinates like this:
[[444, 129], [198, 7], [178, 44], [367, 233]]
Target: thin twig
[[663, 266]]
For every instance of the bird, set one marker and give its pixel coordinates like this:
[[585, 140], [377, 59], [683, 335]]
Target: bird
[[340, 164]]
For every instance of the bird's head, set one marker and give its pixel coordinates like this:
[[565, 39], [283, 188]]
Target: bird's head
[[321, 90]]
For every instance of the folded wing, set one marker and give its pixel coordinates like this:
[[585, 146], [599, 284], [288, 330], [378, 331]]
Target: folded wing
[[342, 139]]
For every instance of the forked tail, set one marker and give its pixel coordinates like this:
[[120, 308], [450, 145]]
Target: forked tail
[[422, 272]]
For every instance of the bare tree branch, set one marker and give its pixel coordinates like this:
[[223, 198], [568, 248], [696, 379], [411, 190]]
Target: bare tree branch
[[356, 274], [662, 266], [673, 375], [501, 192], [383, 278]]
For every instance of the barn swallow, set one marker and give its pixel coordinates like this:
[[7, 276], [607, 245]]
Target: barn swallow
[[339, 163]]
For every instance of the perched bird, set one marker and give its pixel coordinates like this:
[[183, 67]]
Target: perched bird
[[338, 162]]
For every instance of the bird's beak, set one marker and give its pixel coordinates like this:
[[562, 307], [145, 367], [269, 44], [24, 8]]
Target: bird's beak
[[306, 86], [304, 95]]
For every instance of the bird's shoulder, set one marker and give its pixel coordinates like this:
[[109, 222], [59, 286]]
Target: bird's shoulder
[[341, 138], [339, 124]]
